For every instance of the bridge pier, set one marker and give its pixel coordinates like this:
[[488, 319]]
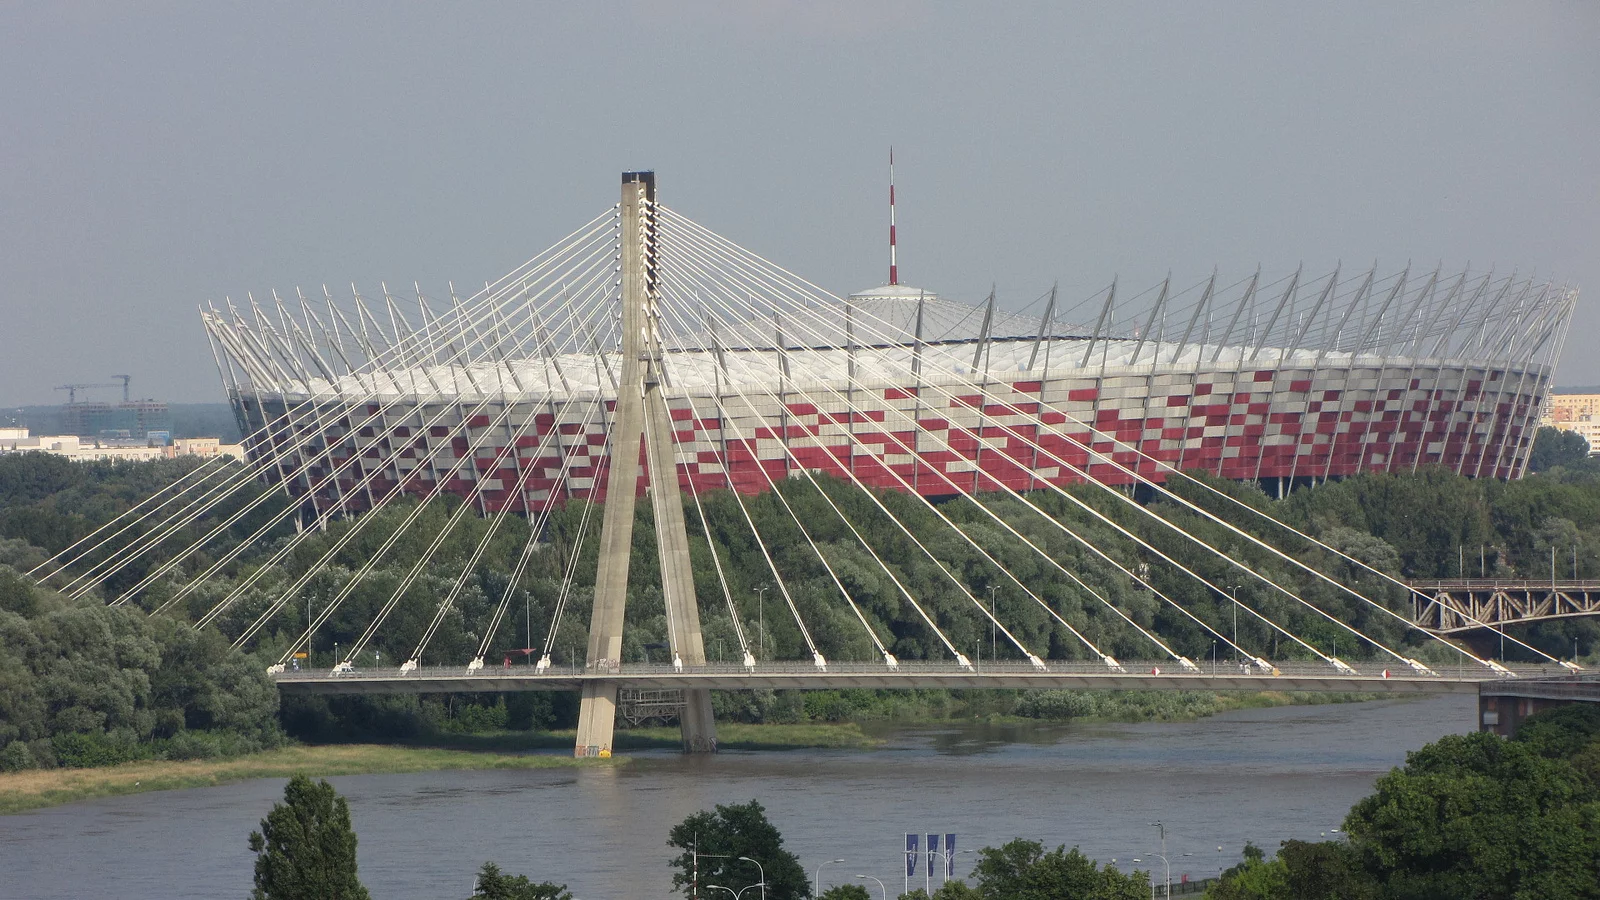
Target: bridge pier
[[597, 719]]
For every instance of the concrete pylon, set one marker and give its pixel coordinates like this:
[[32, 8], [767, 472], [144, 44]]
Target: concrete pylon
[[641, 415]]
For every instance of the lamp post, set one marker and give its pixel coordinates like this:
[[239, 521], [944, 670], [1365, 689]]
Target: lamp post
[[1235, 625], [1140, 862], [761, 640], [1167, 869], [1163, 853], [947, 864], [763, 881], [816, 879], [994, 644], [880, 885]]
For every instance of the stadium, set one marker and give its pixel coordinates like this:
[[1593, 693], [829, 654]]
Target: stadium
[[504, 397]]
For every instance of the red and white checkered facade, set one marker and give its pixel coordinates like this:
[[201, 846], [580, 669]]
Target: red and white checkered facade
[[1251, 423]]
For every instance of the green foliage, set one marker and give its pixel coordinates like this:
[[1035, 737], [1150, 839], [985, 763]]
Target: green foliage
[[1477, 816], [721, 837], [83, 684], [1554, 447], [845, 892], [306, 848], [1561, 732], [496, 885], [1326, 870], [1254, 879], [950, 890], [1024, 870]]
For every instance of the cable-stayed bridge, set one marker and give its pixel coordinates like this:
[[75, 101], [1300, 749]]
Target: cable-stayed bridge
[[908, 476]]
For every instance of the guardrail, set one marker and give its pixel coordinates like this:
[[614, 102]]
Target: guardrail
[[910, 670]]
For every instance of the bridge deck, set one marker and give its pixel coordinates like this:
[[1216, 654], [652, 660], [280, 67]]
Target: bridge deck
[[910, 676]]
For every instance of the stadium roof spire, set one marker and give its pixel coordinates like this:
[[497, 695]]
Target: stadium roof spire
[[894, 270]]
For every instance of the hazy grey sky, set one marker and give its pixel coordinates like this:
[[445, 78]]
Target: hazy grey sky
[[157, 155]]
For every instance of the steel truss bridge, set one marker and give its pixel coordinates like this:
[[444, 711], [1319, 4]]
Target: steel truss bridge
[[1463, 605], [646, 351]]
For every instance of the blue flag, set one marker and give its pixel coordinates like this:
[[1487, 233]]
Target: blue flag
[[949, 856], [933, 851], [911, 855]]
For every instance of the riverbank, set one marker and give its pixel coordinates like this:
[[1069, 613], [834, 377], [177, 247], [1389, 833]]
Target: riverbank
[[38, 788], [730, 736]]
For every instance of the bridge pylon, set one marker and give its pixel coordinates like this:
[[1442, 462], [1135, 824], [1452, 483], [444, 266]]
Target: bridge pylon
[[641, 416]]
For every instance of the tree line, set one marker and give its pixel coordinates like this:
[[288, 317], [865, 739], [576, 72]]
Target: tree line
[[1427, 524]]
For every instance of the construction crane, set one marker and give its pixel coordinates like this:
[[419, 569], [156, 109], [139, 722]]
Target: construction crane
[[73, 389], [125, 380]]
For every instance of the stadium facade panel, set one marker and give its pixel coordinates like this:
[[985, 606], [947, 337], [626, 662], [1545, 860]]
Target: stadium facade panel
[[1257, 423]]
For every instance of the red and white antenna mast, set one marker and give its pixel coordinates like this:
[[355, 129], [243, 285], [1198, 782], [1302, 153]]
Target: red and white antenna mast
[[894, 270]]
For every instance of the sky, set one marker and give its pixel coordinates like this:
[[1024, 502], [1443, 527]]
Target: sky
[[159, 155]]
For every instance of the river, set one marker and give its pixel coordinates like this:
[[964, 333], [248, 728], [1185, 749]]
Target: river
[[1253, 775]]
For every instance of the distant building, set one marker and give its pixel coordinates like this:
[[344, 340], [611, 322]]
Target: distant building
[[1578, 413], [19, 440]]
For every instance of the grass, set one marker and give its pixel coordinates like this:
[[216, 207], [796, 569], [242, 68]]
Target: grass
[[37, 788]]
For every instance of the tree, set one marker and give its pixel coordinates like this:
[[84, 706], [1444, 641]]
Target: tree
[[1023, 870], [306, 849], [1561, 732], [1476, 816], [1253, 879], [1326, 870], [845, 892], [720, 837], [1557, 447], [496, 885]]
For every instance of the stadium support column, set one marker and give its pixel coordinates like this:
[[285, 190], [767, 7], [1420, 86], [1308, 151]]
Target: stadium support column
[[640, 406]]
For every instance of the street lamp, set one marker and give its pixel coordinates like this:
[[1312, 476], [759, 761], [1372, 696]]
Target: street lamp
[[1138, 861], [880, 885], [816, 880], [1235, 623], [948, 866], [1167, 869], [739, 893], [763, 881], [761, 640], [994, 646], [1163, 853]]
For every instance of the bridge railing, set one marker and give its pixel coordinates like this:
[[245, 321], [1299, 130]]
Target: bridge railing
[[1436, 585], [913, 669]]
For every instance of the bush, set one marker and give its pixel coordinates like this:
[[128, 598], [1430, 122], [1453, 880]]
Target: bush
[[14, 757], [1055, 705], [83, 751]]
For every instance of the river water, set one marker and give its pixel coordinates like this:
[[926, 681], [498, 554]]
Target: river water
[[1253, 775]]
